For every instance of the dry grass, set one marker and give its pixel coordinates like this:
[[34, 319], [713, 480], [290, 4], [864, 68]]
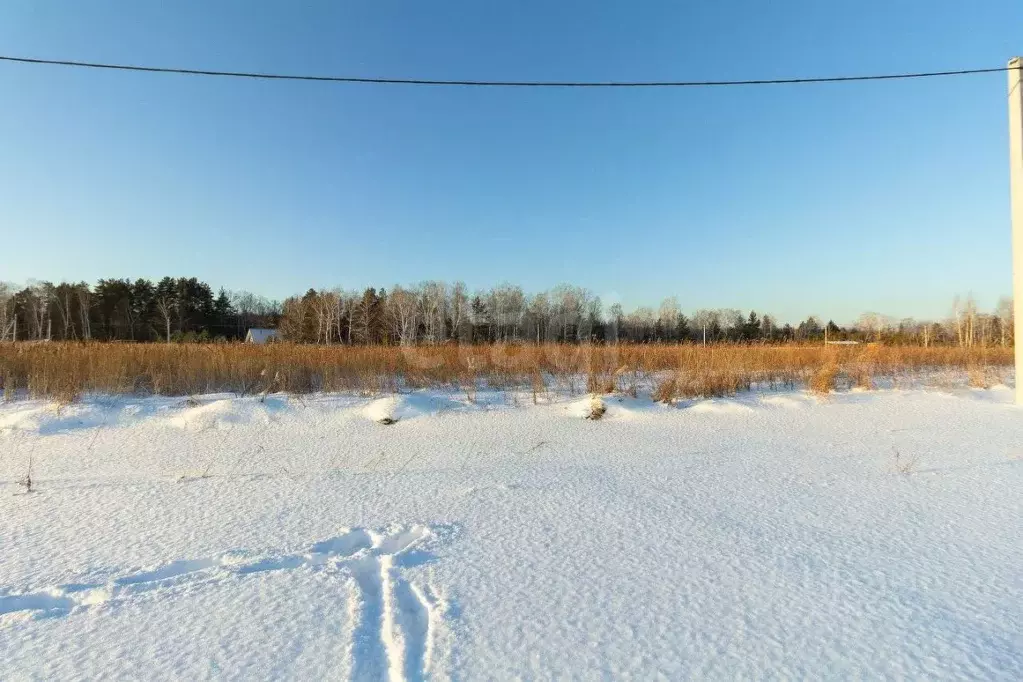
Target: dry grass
[[903, 465], [823, 380], [981, 377], [862, 375], [666, 390], [64, 371]]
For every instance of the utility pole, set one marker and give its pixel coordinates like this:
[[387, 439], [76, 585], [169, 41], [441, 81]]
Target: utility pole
[[1016, 184]]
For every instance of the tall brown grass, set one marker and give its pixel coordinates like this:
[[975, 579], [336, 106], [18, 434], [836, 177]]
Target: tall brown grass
[[823, 380], [65, 370]]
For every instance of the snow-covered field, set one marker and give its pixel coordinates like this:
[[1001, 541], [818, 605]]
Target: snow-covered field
[[777, 535]]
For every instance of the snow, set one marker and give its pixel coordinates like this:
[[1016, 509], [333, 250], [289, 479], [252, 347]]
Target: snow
[[406, 406], [770, 534]]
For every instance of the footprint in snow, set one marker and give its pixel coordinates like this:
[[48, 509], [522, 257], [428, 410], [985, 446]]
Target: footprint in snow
[[394, 620]]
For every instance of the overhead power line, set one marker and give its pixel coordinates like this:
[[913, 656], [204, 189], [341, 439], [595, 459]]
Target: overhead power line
[[503, 84]]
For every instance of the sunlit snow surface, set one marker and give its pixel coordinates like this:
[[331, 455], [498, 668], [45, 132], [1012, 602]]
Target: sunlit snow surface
[[775, 534]]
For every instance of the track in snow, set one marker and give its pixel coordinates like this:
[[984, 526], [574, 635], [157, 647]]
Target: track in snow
[[393, 620]]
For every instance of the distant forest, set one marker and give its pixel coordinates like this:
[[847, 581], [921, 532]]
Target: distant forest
[[182, 309], [188, 310]]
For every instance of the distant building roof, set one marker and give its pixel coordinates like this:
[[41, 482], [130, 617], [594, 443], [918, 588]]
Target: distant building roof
[[261, 335]]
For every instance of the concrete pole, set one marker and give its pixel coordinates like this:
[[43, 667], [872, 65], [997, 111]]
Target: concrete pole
[[1016, 184]]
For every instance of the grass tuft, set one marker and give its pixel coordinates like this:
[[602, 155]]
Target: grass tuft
[[597, 409], [823, 380], [979, 377]]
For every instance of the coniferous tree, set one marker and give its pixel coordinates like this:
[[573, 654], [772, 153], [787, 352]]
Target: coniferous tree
[[751, 329], [480, 320], [223, 316], [369, 318], [682, 330]]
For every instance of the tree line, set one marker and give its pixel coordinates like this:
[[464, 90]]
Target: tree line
[[435, 312], [171, 309], [186, 309]]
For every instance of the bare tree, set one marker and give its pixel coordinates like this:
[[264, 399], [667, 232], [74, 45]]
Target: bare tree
[[37, 309], [640, 323], [84, 308], [508, 308], [616, 322], [8, 320], [872, 323], [403, 308], [459, 307], [568, 307], [1006, 320], [352, 309], [732, 320], [964, 319], [539, 310], [343, 302], [667, 316], [957, 320], [165, 306], [594, 314], [61, 296], [433, 300], [970, 312], [705, 320], [324, 307], [293, 319]]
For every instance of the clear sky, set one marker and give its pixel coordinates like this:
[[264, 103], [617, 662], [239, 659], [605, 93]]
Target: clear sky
[[793, 200]]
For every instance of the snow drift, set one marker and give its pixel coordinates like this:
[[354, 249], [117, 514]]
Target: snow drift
[[866, 535]]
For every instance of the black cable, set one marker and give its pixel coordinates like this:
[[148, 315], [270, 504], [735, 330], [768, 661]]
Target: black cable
[[507, 84]]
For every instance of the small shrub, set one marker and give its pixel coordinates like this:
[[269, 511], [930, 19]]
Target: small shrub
[[903, 465], [26, 481], [979, 377], [65, 395], [469, 380], [861, 376], [539, 385], [823, 381], [597, 409], [666, 390], [632, 380], [600, 382]]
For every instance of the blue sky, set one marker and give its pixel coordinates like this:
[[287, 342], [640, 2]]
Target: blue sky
[[793, 200]]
